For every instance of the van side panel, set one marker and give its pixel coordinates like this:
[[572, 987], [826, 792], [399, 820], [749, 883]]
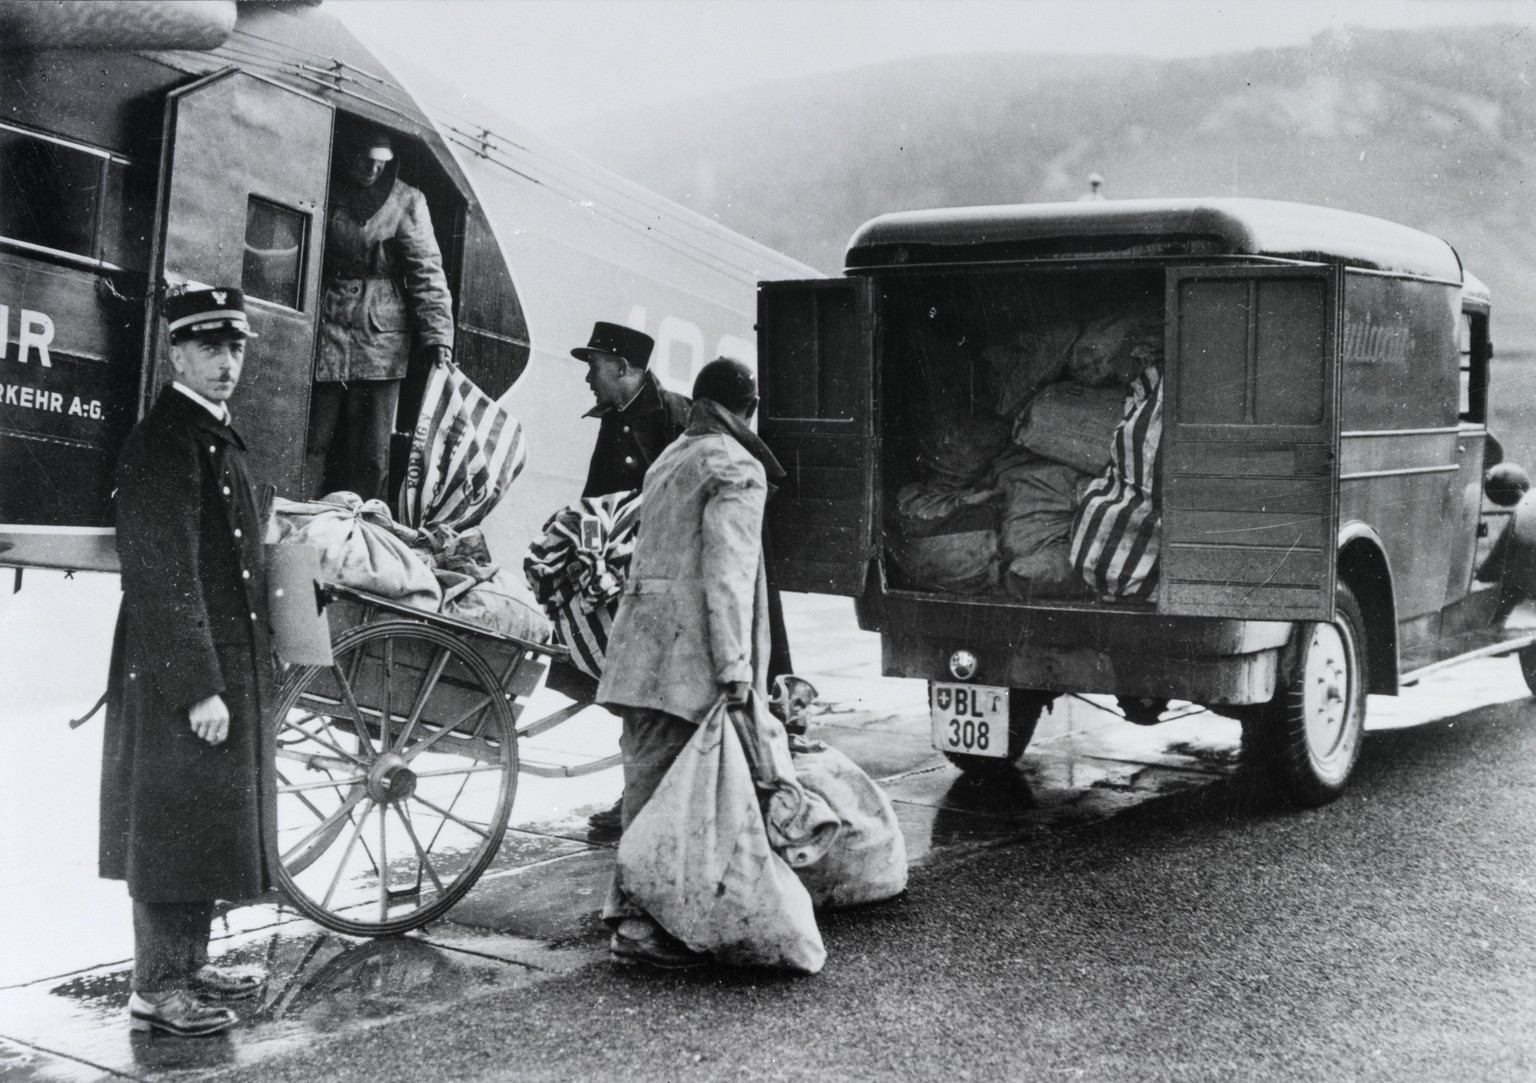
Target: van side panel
[[1398, 469]]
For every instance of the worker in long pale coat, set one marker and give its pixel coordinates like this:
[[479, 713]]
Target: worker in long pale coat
[[693, 620]]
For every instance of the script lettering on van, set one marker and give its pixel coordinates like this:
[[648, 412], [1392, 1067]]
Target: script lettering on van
[[1376, 338]]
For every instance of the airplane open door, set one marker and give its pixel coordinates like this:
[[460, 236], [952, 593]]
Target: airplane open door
[[243, 180], [1250, 443], [815, 351]]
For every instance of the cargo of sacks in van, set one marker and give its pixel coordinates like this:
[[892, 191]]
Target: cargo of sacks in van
[[1024, 417]]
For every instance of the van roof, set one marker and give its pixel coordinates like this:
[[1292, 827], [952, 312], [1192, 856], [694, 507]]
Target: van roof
[[1150, 227]]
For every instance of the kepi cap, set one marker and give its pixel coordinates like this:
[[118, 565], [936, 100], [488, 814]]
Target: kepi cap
[[206, 309], [379, 147], [617, 341]]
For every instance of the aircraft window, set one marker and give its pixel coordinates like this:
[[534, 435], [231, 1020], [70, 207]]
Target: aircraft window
[[273, 268], [50, 192]]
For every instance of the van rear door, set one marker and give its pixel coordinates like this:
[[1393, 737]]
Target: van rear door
[[243, 187], [815, 346], [1250, 443]]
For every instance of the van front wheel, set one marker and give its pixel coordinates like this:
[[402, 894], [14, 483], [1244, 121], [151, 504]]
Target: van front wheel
[[1024, 707], [1308, 737]]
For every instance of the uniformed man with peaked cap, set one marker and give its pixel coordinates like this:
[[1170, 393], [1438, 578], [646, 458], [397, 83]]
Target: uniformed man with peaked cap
[[638, 417], [186, 785]]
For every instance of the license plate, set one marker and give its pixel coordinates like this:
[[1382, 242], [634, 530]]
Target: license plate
[[969, 718]]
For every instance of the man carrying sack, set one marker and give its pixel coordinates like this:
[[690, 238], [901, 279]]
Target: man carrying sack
[[692, 624]]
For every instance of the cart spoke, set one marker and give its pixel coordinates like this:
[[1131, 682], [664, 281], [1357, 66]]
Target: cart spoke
[[421, 854], [441, 823], [446, 772], [445, 814], [323, 784], [343, 810], [363, 739], [341, 866], [337, 737], [351, 757], [383, 861], [428, 686], [388, 702], [282, 781]]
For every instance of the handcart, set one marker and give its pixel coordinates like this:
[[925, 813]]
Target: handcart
[[397, 765]]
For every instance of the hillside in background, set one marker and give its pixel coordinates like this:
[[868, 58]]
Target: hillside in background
[[1436, 129]]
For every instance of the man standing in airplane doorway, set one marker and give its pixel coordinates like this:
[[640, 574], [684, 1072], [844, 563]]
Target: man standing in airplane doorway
[[384, 280]]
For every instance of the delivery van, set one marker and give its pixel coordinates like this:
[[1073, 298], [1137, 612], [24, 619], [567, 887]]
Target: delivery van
[[1224, 451]]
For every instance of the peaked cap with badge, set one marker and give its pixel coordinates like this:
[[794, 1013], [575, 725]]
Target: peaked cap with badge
[[205, 310]]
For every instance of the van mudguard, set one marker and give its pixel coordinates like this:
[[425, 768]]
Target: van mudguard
[[1250, 490], [815, 348]]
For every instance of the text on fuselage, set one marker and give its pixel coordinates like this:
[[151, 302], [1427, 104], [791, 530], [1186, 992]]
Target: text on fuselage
[[34, 333]]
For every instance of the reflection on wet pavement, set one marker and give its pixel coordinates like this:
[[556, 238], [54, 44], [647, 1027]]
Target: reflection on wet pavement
[[319, 983]]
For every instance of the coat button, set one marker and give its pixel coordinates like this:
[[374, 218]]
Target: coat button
[[253, 616], [245, 573], [629, 460], [210, 449], [226, 490], [238, 534], [626, 429]]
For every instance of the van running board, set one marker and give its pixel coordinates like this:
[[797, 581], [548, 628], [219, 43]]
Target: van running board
[[1493, 650]]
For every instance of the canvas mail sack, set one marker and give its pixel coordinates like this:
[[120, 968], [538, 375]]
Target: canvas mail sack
[[698, 860]]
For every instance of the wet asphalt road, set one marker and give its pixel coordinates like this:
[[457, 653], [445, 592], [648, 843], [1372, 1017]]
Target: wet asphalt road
[[1206, 935]]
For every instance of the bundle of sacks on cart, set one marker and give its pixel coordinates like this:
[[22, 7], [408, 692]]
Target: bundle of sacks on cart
[[1053, 494], [436, 568]]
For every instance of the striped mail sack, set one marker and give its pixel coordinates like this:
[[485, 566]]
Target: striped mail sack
[[465, 453], [1117, 531], [578, 568]]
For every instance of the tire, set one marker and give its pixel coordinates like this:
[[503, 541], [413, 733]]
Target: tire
[[1527, 657], [1024, 707], [1307, 739]]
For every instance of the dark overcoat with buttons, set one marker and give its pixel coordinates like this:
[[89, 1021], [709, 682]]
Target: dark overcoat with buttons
[[183, 820], [630, 439]]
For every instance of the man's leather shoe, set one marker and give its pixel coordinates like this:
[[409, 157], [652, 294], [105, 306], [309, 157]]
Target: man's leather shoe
[[610, 820], [637, 940], [225, 982], [177, 1012]]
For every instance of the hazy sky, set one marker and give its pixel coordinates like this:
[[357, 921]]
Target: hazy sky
[[545, 62]]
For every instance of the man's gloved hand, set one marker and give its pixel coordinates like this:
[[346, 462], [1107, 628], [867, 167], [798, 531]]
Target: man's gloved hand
[[736, 691], [441, 355]]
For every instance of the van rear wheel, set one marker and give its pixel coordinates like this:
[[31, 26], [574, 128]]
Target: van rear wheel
[[1024, 707], [1308, 737]]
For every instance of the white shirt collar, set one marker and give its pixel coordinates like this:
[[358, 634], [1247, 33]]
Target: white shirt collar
[[219, 410]]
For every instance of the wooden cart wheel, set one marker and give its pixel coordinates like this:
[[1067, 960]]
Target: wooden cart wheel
[[396, 769]]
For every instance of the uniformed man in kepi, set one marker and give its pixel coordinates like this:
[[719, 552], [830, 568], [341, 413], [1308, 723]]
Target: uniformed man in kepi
[[187, 787], [639, 417]]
